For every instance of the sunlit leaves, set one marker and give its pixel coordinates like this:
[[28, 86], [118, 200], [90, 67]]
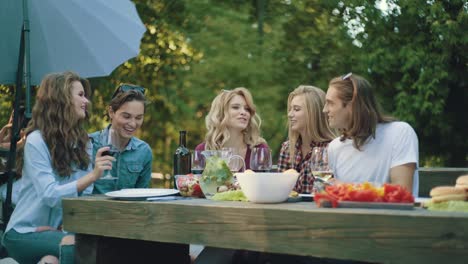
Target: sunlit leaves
[[413, 52]]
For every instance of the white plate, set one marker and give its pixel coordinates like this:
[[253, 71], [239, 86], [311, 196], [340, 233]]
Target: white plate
[[140, 193], [306, 197], [422, 201]]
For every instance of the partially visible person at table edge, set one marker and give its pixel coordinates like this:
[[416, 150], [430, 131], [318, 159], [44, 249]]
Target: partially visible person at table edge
[[372, 147], [5, 132], [307, 129], [126, 112], [233, 122], [5, 140], [56, 164]]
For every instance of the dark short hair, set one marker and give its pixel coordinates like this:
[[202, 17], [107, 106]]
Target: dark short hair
[[125, 87], [122, 97]]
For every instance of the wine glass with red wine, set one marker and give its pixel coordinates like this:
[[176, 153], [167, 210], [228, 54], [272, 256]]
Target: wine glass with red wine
[[198, 162], [260, 160], [110, 140]]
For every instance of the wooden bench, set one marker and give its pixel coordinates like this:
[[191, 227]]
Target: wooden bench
[[431, 177]]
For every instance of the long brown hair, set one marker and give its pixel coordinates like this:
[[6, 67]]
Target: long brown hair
[[54, 115], [366, 111], [217, 120], [317, 126]]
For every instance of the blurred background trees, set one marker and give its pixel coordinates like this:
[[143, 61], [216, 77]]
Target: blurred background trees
[[415, 53]]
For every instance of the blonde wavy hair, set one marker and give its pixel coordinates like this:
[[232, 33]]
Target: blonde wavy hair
[[217, 120], [317, 126], [54, 115]]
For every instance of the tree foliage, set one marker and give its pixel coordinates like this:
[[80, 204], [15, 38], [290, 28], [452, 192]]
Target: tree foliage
[[416, 55], [413, 52]]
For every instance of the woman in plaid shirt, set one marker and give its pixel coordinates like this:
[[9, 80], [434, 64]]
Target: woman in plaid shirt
[[308, 128]]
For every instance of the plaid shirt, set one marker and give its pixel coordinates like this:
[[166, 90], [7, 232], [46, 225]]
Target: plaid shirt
[[305, 182]]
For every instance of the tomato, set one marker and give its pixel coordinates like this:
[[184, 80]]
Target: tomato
[[197, 192], [364, 196], [365, 192], [407, 198], [322, 197], [397, 194], [339, 191]]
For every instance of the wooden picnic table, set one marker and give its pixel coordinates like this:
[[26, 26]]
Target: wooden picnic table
[[374, 235]]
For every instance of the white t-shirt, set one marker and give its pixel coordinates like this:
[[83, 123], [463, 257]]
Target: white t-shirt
[[395, 144]]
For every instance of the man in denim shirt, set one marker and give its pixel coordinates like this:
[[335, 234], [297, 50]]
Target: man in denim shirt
[[132, 168]]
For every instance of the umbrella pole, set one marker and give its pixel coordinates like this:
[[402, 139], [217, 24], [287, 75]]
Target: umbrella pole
[[10, 168], [27, 60]]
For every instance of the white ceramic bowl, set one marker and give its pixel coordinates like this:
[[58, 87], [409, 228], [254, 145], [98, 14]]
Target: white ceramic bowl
[[267, 187]]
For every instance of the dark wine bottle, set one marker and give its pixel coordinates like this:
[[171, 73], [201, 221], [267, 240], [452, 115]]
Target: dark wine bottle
[[182, 157]]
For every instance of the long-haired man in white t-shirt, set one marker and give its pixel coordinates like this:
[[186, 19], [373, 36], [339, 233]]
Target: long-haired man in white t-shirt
[[372, 147]]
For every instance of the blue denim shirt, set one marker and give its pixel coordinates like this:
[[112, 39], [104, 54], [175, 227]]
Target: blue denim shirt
[[132, 166]]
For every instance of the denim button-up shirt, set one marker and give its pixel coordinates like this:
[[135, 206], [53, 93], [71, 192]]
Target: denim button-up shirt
[[132, 166]]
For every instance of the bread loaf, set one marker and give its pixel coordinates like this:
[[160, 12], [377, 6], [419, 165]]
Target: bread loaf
[[462, 182], [447, 193]]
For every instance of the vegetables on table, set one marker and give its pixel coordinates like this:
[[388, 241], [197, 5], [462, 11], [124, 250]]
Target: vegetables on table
[[293, 194], [449, 206], [189, 186], [236, 195], [365, 192]]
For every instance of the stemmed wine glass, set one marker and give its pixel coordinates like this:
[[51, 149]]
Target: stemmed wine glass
[[320, 168], [235, 162], [260, 159], [198, 162], [110, 140]]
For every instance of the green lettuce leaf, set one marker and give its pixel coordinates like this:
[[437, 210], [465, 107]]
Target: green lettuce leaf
[[236, 195], [449, 206]]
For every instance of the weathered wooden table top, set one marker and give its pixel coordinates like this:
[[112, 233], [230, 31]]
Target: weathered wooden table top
[[375, 235]]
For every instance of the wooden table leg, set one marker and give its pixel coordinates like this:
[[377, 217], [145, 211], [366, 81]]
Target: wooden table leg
[[91, 249]]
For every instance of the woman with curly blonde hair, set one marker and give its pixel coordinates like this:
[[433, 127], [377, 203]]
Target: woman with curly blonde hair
[[233, 122], [56, 164]]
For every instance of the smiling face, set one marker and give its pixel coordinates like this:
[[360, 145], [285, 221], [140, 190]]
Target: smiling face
[[127, 119], [79, 99], [297, 114], [339, 115], [238, 113]]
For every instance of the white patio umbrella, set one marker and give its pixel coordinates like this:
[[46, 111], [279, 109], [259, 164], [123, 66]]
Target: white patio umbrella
[[90, 37]]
